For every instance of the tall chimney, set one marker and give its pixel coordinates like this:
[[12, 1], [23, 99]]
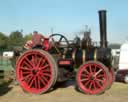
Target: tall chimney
[[103, 26]]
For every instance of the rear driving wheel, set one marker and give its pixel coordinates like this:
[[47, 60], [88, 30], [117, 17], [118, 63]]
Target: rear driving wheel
[[92, 77], [36, 71]]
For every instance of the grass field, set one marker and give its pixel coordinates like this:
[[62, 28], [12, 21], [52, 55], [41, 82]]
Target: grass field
[[6, 68], [5, 64]]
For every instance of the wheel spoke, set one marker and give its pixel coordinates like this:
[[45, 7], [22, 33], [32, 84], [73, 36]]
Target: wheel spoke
[[26, 77], [60, 39], [43, 62], [28, 65], [100, 80], [55, 45], [90, 69], [46, 74], [46, 66], [97, 72], [98, 83], [100, 76], [25, 68], [33, 60], [28, 61], [46, 71], [90, 85], [84, 75], [44, 78], [41, 80], [29, 79], [87, 82], [39, 62], [95, 66], [31, 82], [94, 85], [38, 80], [26, 72], [35, 82], [84, 80], [86, 72]]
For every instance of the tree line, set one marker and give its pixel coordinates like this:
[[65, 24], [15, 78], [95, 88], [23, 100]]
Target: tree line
[[13, 40], [16, 40]]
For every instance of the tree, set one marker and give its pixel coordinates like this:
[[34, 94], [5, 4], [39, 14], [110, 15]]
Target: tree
[[27, 37], [15, 39], [3, 41]]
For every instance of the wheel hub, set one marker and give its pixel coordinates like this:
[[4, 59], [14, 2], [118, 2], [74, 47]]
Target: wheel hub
[[34, 71], [92, 78]]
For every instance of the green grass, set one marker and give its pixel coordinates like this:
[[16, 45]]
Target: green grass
[[5, 65]]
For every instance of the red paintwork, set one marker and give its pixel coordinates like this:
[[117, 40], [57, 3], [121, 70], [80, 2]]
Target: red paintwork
[[112, 78], [34, 72], [64, 62], [46, 44], [92, 78]]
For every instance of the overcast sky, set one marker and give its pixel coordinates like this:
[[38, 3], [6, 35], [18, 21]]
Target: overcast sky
[[64, 16]]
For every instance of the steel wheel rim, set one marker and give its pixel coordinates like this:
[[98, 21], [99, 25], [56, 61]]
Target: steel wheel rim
[[92, 78], [35, 78], [111, 76]]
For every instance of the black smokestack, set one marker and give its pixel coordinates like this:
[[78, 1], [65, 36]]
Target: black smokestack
[[103, 26]]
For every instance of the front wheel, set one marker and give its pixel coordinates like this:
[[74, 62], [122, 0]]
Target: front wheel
[[92, 77]]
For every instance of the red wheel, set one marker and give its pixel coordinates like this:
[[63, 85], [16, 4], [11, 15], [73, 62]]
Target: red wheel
[[36, 71], [112, 77], [92, 77]]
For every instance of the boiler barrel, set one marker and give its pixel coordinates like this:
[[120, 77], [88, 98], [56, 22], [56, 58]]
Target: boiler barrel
[[103, 55]]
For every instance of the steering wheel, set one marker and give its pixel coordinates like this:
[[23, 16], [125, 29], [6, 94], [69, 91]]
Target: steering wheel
[[57, 40]]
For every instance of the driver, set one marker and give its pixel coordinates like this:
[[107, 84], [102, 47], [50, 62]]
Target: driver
[[37, 40]]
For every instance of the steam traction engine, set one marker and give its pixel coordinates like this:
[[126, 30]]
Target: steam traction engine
[[41, 66]]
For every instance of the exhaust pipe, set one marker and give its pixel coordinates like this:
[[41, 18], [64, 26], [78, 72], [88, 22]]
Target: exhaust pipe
[[103, 26]]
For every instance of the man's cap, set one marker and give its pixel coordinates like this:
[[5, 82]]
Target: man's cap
[[35, 32]]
